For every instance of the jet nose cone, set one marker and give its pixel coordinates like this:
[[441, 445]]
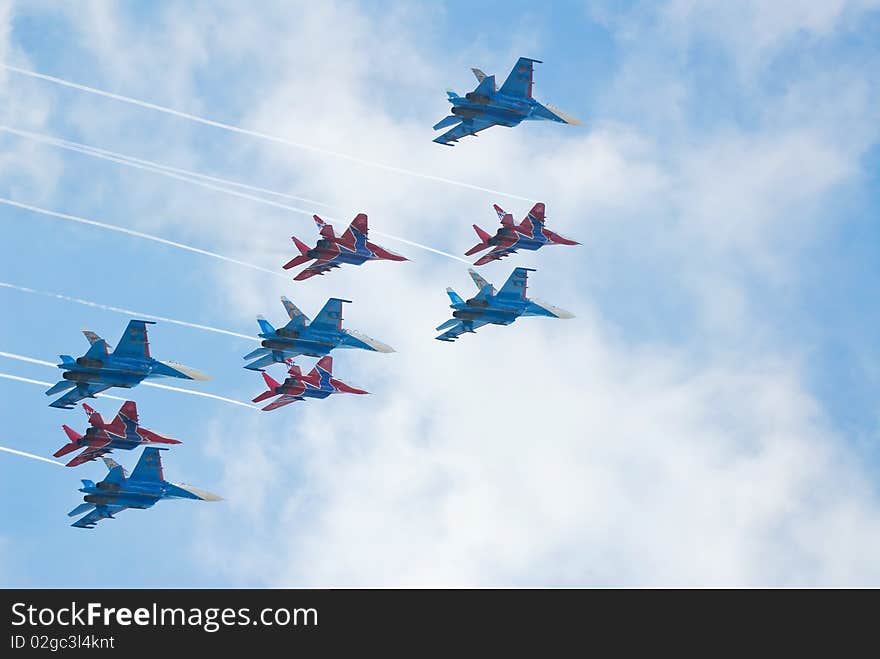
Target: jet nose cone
[[204, 495], [188, 371]]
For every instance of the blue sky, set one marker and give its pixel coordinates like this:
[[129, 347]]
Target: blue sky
[[710, 415]]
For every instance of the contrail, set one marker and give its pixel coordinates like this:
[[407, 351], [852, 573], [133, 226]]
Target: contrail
[[127, 312], [195, 179], [201, 393], [191, 392], [31, 456], [254, 133], [137, 234], [30, 360], [415, 244]]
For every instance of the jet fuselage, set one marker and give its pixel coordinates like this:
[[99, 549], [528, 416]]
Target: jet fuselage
[[502, 109]]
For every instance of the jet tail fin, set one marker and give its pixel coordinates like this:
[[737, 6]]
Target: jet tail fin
[[486, 86], [454, 297], [325, 363], [72, 445], [272, 384], [302, 257], [326, 230], [484, 235], [265, 325]]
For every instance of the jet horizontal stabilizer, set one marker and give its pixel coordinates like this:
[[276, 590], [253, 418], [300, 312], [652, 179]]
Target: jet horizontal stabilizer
[[81, 508], [452, 322], [57, 388], [451, 120]]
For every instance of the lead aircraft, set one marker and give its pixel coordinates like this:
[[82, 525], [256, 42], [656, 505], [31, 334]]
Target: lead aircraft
[[488, 106]]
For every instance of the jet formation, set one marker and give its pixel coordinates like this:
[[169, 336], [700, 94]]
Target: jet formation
[[495, 308], [142, 489], [353, 247], [131, 362], [123, 432], [126, 366], [319, 383], [301, 337], [488, 106]]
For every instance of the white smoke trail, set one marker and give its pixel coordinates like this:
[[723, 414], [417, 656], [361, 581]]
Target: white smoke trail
[[140, 163], [31, 456], [194, 179], [30, 360], [127, 312], [254, 133], [200, 393], [191, 392], [137, 234]]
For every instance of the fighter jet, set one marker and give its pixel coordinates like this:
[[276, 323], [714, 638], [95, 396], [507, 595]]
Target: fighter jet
[[315, 339], [319, 383], [489, 307], [487, 106], [127, 366], [331, 252], [529, 234], [119, 491], [123, 432]]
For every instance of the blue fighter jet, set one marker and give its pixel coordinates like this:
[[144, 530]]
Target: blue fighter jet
[[488, 307], [142, 489], [487, 106], [315, 339], [127, 366]]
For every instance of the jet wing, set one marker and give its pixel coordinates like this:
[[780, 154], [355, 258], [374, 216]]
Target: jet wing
[[499, 252], [99, 513], [458, 327], [91, 453], [319, 267], [330, 316], [81, 391], [519, 82], [465, 128], [516, 284], [149, 467], [281, 401], [134, 342]]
